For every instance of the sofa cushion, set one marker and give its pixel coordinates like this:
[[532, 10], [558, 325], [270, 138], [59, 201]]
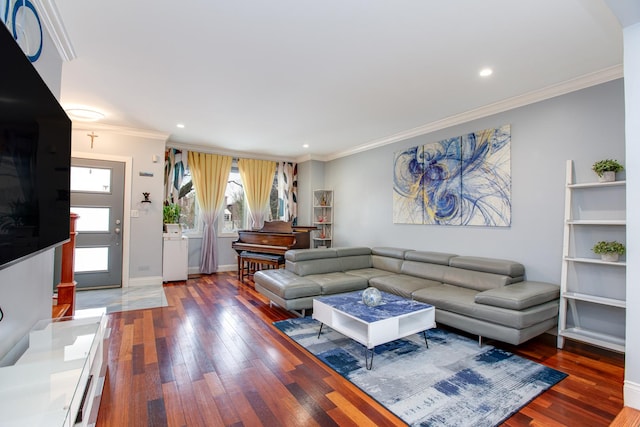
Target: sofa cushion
[[476, 280], [352, 251], [285, 284], [462, 301], [369, 273], [425, 270], [314, 266], [519, 295], [338, 282], [391, 264], [355, 262], [307, 254], [488, 265], [401, 284], [429, 257], [389, 252]]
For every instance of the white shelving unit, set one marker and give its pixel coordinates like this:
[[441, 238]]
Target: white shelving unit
[[592, 291], [323, 218]]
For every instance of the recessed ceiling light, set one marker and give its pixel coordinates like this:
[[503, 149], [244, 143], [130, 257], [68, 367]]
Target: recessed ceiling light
[[305, 145], [84, 114], [486, 72], [180, 125]]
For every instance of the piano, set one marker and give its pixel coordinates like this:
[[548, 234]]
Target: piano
[[274, 238]]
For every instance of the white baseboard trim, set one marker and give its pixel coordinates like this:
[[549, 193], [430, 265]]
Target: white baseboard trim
[[228, 267], [145, 281], [631, 392]]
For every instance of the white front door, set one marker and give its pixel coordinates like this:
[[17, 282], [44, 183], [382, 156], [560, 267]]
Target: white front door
[[97, 196]]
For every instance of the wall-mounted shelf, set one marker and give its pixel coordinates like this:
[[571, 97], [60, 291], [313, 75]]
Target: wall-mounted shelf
[[323, 218]]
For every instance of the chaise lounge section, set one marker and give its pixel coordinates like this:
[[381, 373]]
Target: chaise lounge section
[[483, 296]]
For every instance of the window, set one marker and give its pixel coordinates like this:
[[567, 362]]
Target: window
[[188, 206], [235, 214]]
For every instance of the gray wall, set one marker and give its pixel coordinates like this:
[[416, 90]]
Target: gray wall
[[145, 256], [585, 126]]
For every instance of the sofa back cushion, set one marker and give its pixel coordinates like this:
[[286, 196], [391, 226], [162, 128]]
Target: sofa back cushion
[[386, 263], [356, 262], [490, 265], [352, 251], [424, 270], [307, 254], [430, 257], [390, 252], [314, 266], [473, 279]]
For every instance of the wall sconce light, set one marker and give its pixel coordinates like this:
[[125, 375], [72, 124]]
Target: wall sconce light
[[146, 198]]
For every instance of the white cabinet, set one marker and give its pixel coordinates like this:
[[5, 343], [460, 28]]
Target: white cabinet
[[323, 218], [592, 291], [56, 374], [175, 257]]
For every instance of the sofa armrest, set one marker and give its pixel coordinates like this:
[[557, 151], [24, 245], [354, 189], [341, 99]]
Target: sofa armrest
[[519, 296]]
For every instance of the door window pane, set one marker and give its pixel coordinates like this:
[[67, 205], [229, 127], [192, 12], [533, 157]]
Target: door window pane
[[91, 259], [95, 180], [92, 219]]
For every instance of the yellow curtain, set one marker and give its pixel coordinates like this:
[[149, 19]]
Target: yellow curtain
[[257, 179], [209, 173]]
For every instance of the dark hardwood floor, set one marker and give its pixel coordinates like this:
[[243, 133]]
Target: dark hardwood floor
[[213, 358]]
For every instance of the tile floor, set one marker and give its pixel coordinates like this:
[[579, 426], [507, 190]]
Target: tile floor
[[122, 299]]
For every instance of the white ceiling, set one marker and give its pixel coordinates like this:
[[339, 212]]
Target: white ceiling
[[266, 77]]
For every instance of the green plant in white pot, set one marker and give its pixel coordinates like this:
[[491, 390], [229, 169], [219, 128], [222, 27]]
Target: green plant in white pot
[[171, 217], [606, 169], [609, 251]]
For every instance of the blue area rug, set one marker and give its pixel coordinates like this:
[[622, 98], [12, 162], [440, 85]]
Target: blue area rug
[[454, 382]]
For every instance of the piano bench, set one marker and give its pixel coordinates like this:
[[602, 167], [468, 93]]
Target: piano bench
[[250, 262]]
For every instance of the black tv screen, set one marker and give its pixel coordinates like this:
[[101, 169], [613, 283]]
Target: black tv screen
[[35, 156]]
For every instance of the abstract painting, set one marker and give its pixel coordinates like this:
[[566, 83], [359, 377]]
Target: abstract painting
[[465, 180]]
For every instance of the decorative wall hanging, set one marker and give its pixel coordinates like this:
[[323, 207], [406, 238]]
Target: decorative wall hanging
[[464, 180]]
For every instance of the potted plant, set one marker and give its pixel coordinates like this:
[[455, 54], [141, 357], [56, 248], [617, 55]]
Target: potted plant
[[171, 217], [606, 169], [609, 251]]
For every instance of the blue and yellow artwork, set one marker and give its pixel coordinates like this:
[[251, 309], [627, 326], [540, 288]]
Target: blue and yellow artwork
[[464, 180]]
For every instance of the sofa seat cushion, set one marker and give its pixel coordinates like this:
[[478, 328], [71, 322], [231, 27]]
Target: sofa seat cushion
[[369, 273], [462, 301], [520, 295], [337, 282], [401, 284], [285, 284]]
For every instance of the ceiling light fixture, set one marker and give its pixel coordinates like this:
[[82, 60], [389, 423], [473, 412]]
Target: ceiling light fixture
[[305, 145], [486, 72], [84, 114], [180, 125]]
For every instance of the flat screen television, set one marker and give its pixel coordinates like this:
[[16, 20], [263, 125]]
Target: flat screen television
[[35, 156]]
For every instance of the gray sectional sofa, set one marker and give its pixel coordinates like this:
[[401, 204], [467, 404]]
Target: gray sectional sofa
[[483, 296]]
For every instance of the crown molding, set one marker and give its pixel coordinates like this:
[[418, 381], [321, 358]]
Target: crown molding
[[225, 152], [582, 82], [53, 23], [121, 130]]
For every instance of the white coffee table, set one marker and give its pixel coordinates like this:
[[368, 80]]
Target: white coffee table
[[394, 318]]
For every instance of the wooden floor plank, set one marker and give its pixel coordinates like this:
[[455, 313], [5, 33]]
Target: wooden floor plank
[[213, 357]]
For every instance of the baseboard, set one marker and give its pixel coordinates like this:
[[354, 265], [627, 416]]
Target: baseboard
[[228, 267], [145, 281], [631, 394]]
